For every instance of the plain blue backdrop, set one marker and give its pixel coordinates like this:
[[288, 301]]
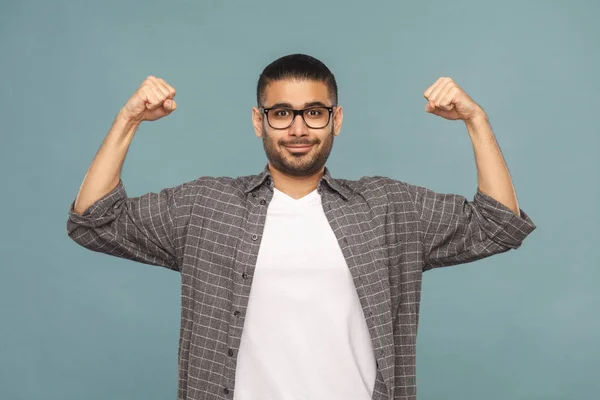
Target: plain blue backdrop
[[81, 325]]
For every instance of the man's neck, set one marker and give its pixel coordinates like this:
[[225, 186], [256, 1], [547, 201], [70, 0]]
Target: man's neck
[[293, 186]]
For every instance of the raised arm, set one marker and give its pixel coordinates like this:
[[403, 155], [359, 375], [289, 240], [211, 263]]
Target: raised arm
[[454, 229], [153, 100], [102, 218]]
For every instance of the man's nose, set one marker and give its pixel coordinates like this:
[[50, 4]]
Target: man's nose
[[298, 127]]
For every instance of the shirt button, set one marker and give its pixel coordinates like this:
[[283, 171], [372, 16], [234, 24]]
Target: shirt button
[[236, 313], [263, 202], [244, 275], [225, 390], [254, 237], [230, 352]]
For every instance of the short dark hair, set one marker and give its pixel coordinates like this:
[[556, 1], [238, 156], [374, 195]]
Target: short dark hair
[[296, 66]]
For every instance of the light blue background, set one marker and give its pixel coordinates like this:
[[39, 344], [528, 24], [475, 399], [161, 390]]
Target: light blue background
[[80, 325]]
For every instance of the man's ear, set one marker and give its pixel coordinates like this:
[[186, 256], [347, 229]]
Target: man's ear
[[257, 121], [338, 118]]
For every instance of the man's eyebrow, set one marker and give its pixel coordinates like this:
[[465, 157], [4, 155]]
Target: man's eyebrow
[[306, 105]]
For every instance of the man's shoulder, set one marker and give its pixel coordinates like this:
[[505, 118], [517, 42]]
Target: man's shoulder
[[373, 184], [224, 184]]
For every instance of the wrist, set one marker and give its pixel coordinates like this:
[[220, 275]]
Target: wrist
[[125, 118], [478, 118], [123, 129]]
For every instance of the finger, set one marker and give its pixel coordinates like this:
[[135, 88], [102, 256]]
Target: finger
[[159, 94], [152, 101], [169, 105], [160, 88], [151, 81], [440, 89], [431, 88], [432, 109], [451, 115], [170, 88], [445, 99]]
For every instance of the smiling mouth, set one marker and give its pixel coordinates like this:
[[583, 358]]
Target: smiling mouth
[[299, 148]]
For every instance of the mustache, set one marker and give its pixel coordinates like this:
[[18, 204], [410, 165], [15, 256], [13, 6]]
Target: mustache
[[299, 143]]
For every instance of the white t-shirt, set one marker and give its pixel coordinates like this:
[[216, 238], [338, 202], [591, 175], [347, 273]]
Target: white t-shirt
[[305, 336]]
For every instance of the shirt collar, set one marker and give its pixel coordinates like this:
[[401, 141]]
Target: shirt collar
[[265, 175]]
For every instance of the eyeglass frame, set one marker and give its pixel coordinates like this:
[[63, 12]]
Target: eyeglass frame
[[296, 113]]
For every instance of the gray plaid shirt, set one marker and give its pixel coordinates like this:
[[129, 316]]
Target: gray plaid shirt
[[210, 229]]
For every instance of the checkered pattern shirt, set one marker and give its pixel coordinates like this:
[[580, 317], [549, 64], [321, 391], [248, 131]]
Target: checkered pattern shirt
[[209, 230]]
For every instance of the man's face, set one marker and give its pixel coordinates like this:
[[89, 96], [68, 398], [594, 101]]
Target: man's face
[[282, 146]]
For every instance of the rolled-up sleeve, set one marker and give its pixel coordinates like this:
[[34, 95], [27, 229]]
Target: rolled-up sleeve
[[143, 229], [455, 230]]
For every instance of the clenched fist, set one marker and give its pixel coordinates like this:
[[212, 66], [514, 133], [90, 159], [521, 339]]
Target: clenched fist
[[446, 99], [152, 100]]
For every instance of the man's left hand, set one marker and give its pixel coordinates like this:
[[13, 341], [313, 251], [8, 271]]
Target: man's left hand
[[448, 100]]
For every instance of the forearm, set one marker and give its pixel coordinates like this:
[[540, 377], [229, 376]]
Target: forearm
[[104, 173], [493, 177]]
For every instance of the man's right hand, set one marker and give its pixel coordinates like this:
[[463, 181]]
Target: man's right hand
[[153, 100]]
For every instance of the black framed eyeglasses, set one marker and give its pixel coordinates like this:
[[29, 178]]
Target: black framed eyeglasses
[[283, 117]]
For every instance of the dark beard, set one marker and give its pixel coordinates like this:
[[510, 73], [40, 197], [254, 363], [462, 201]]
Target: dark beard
[[301, 164]]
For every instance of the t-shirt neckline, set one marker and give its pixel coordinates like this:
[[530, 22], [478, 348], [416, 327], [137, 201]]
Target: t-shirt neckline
[[301, 200]]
